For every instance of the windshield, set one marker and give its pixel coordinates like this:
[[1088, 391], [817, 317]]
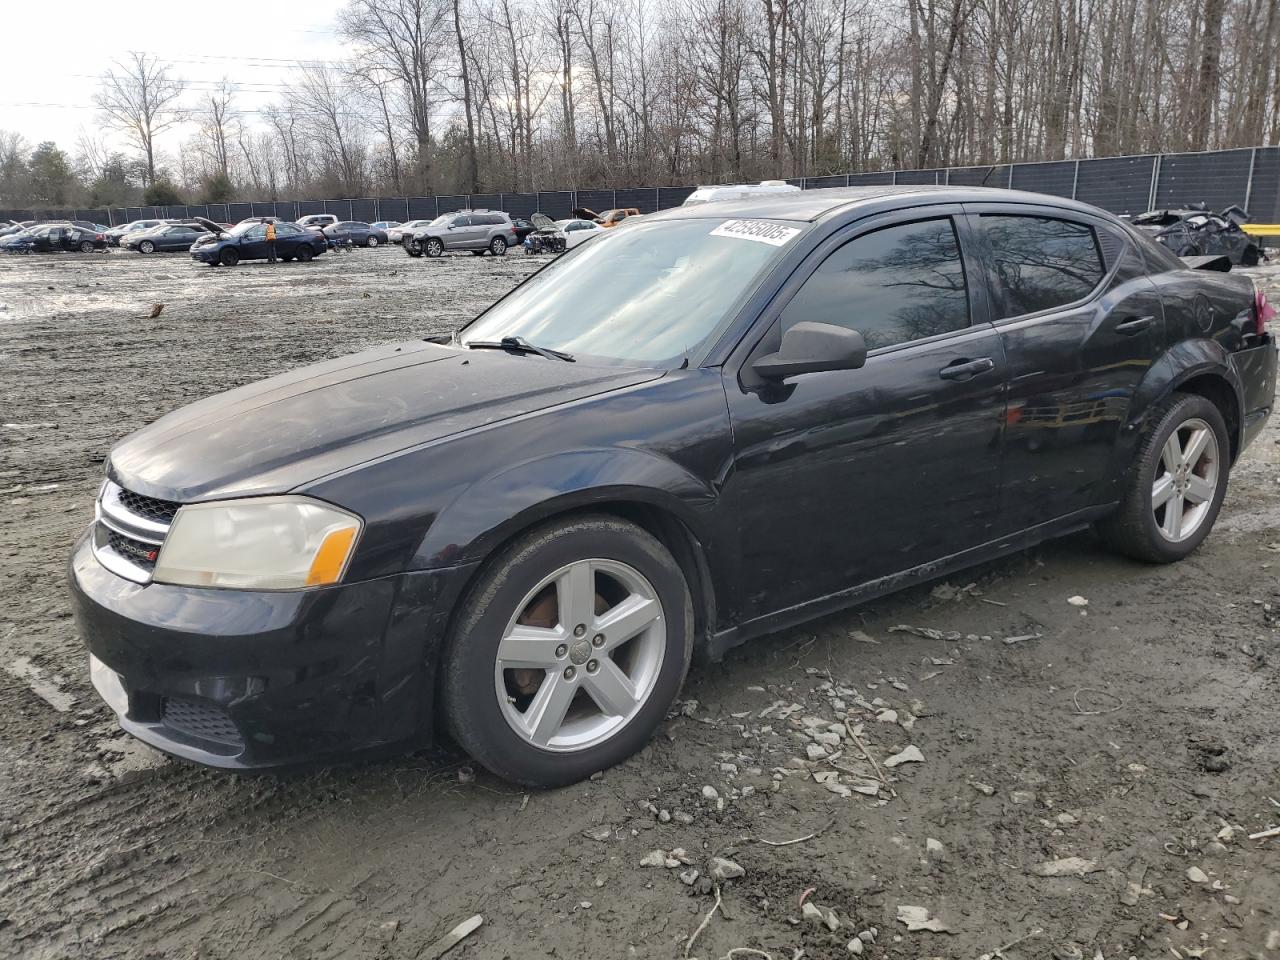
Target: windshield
[[645, 295]]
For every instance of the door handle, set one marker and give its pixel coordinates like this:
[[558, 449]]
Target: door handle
[[1129, 327], [967, 369]]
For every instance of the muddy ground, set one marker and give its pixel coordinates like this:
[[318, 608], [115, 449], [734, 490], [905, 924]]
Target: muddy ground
[[1140, 734]]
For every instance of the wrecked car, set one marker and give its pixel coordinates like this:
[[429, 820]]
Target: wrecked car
[[545, 236], [519, 535], [608, 219], [1194, 231]]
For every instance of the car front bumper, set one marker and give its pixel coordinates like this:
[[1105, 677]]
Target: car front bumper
[[255, 679]]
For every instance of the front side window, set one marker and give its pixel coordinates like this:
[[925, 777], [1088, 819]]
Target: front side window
[[1041, 263], [894, 285]]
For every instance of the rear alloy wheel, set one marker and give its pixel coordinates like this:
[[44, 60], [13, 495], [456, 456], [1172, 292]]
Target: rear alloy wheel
[[568, 651], [371, 242], [86, 246], [305, 254], [229, 257], [1176, 485], [146, 246], [434, 248], [498, 247]]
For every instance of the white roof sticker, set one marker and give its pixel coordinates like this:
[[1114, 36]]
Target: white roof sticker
[[761, 231]]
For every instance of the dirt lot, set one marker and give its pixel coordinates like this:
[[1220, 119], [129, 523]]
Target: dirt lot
[[1140, 734]]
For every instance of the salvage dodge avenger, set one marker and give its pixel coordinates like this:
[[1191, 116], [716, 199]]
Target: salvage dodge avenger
[[520, 534]]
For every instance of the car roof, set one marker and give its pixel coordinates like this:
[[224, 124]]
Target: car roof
[[811, 205]]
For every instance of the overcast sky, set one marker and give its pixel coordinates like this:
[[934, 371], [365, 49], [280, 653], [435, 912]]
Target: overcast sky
[[54, 51]]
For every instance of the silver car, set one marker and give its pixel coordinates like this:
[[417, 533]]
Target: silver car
[[474, 230]]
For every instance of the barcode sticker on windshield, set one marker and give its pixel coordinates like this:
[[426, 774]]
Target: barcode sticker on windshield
[[761, 231]]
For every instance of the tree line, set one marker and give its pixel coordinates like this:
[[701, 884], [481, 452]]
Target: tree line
[[470, 96]]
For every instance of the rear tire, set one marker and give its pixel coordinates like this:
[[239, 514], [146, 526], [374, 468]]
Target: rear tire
[[229, 257], [86, 246], [498, 247], [594, 568], [1184, 462], [371, 242], [305, 254]]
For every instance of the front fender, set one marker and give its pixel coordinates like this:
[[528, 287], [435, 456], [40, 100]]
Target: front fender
[[494, 509]]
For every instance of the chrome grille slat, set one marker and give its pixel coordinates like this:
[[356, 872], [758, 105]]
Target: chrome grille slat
[[129, 531]]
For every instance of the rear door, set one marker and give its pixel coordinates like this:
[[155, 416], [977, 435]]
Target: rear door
[[845, 477], [1080, 324]]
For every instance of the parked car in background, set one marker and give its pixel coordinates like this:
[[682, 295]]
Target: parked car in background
[[740, 191], [264, 220], [578, 231], [166, 238], [355, 232], [53, 238], [116, 234], [386, 226], [518, 535], [474, 230], [523, 227], [608, 219], [1195, 231], [248, 241], [317, 221], [397, 234]]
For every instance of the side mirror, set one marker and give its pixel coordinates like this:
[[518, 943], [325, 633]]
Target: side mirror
[[813, 348]]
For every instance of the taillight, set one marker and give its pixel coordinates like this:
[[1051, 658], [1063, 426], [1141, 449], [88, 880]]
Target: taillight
[[1263, 312]]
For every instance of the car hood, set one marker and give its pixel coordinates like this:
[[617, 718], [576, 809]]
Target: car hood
[[216, 229], [277, 434]]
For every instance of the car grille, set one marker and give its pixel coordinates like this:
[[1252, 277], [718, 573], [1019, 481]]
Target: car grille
[[198, 719], [161, 511], [130, 530]]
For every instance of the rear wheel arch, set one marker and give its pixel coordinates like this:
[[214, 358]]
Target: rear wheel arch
[[1217, 389]]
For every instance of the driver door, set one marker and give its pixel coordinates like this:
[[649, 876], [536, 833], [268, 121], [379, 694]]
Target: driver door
[[845, 477], [253, 245]]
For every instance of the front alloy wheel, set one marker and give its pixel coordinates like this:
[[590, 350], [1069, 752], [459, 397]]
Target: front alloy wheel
[[434, 247], [581, 655], [568, 651]]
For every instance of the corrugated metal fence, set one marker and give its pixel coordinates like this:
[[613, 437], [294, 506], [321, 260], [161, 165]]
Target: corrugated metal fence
[[1249, 177]]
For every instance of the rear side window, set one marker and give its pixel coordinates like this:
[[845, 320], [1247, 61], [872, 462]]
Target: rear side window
[[898, 284], [1041, 263]]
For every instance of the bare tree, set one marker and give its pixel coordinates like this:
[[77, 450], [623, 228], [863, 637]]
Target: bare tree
[[140, 98]]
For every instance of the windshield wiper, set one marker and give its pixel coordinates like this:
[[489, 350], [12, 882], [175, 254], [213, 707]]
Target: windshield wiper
[[520, 345]]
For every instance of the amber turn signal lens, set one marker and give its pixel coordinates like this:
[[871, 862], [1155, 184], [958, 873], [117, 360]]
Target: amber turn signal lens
[[331, 558]]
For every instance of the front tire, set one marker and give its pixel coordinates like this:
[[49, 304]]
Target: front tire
[[146, 246], [433, 248], [229, 257], [568, 651], [1176, 485]]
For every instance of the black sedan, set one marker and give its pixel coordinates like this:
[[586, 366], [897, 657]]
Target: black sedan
[[521, 533], [167, 238], [355, 232], [223, 247], [54, 237]]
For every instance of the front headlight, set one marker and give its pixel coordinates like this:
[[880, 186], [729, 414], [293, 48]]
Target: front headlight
[[264, 543]]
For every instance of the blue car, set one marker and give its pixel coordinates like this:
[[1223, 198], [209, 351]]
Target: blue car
[[248, 241]]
